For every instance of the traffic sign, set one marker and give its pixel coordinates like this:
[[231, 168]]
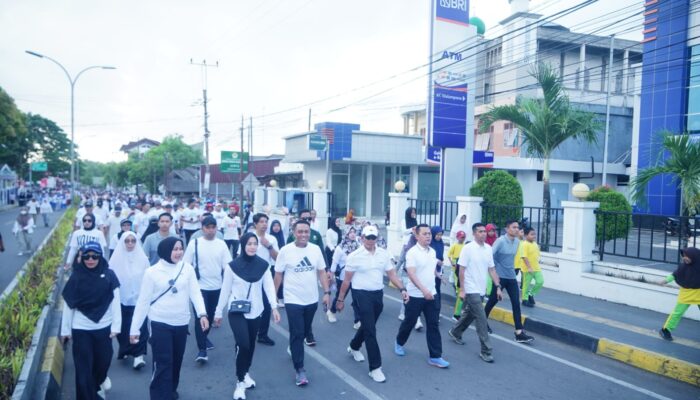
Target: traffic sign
[[40, 166], [231, 162], [317, 142]]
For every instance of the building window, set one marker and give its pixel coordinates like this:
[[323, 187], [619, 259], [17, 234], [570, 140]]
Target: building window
[[693, 123], [483, 141], [487, 91], [618, 82], [510, 135]]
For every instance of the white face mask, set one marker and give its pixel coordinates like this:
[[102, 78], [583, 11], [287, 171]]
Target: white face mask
[[23, 212]]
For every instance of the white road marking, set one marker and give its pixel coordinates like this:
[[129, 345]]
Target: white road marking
[[366, 392], [560, 360]]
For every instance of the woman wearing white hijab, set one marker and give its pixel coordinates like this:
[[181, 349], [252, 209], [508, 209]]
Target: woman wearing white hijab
[[129, 263], [460, 224]]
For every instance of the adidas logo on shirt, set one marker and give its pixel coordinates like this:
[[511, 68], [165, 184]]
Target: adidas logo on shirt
[[304, 265]]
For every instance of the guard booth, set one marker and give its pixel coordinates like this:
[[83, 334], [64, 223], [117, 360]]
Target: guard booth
[[8, 185]]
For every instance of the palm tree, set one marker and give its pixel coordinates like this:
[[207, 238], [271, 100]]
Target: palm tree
[[683, 162], [545, 123]]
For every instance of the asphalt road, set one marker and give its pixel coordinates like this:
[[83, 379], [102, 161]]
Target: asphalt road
[[10, 262], [544, 370]]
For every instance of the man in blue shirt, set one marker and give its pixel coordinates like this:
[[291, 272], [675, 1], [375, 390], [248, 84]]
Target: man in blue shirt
[[504, 251]]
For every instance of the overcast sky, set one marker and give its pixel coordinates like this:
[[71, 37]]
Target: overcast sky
[[273, 55]]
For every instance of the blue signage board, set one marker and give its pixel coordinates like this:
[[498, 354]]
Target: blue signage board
[[455, 11], [483, 159], [450, 116], [433, 155]]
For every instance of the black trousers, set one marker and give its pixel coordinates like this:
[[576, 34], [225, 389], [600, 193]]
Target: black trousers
[[299, 318], [355, 310], [244, 332], [431, 311], [511, 286], [369, 306], [211, 299], [168, 346], [125, 347], [232, 247], [188, 235], [263, 330], [92, 354]]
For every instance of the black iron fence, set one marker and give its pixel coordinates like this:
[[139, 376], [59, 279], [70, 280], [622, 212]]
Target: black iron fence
[[435, 212], [650, 237], [549, 231]]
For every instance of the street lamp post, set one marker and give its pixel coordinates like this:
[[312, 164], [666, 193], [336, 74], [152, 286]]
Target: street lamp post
[[72, 81]]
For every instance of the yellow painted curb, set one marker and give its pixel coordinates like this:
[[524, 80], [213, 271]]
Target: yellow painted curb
[[654, 362], [505, 316], [53, 359]]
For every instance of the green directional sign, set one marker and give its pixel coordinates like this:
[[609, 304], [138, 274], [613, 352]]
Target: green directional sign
[[231, 162], [317, 142], [40, 166]]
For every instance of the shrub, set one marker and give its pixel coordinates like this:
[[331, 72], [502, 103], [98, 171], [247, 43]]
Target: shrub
[[503, 197], [616, 226], [20, 311]]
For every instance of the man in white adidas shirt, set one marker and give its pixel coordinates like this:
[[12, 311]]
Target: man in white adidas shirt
[[301, 264], [365, 269], [209, 256]]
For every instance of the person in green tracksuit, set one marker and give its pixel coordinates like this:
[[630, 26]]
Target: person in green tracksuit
[[315, 238]]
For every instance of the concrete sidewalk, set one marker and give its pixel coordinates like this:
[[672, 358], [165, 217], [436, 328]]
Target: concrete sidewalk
[[624, 333]]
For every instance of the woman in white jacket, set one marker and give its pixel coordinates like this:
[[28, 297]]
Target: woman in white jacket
[[167, 289], [246, 279], [91, 317]]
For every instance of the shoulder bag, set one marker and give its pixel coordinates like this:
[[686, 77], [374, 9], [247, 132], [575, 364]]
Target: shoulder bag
[[241, 306]]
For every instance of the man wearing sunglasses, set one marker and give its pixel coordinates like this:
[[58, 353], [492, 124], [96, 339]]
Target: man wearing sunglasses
[[85, 235]]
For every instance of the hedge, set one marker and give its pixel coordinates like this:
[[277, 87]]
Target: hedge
[[616, 226], [19, 312], [503, 197]]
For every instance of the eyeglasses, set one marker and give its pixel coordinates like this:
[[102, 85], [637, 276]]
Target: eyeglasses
[[370, 237], [91, 257], [87, 220], [130, 241]]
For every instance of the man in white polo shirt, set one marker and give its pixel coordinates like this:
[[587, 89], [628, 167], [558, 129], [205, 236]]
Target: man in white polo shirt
[[420, 267], [365, 269], [301, 265], [475, 264]]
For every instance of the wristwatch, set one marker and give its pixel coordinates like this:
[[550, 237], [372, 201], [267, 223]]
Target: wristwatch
[[269, 247], [499, 287], [403, 289], [328, 292]]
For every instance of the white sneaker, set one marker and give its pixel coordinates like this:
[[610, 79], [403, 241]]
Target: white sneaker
[[331, 317], [249, 382], [357, 325], [377, 375], [280, 303], [139, 362], [20, 254], [102, 394], [289, 351], [401, 317], [419, 325], [239, 392], [356, 354], [106, 385]]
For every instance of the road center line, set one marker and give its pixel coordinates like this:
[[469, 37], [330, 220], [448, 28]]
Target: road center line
[[366, 392], [579, 367]]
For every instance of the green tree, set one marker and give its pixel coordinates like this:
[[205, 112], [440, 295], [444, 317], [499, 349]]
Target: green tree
[[48, 142], [13, 132], [679, 156], [503, 196], [544, 124], [171, 154], [611, 226]]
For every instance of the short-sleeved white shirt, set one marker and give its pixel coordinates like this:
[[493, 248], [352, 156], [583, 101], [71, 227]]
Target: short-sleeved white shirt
[[368, 269], [424, 261], [231, 226], [476, 261], [191, 214], [300, 266], [262, 251]]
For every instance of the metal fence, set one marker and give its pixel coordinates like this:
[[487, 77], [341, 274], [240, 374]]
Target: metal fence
[[435, 212], [535, 217], [650, 237]]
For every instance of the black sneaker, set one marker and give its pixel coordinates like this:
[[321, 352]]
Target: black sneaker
[[210, 345], [486, 357], [531, 299], [455, 338], [665, 334], [310, 341], [523, 337], [527, 303], [202, 357], [266, 341]]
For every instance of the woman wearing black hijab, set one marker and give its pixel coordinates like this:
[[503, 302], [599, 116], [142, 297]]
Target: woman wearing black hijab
[[167, 289], [91, 317], [276, 232], [410, 218], [152, 228], [687, 276], [246, 279]]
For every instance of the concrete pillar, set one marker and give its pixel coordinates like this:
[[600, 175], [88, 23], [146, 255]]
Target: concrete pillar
[[579, 231], [273, 197], [398, 203], [472, 207], [322, 211], [259, 200], [625, 71]]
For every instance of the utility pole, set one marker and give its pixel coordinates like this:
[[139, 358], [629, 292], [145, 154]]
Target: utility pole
[[203, 65], [607, 114], [309, 129], [240, 170]]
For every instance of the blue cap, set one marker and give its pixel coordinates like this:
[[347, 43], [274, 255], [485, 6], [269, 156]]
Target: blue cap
[[91, 246]]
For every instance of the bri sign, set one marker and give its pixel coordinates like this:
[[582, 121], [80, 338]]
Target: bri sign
[[455, 11]]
